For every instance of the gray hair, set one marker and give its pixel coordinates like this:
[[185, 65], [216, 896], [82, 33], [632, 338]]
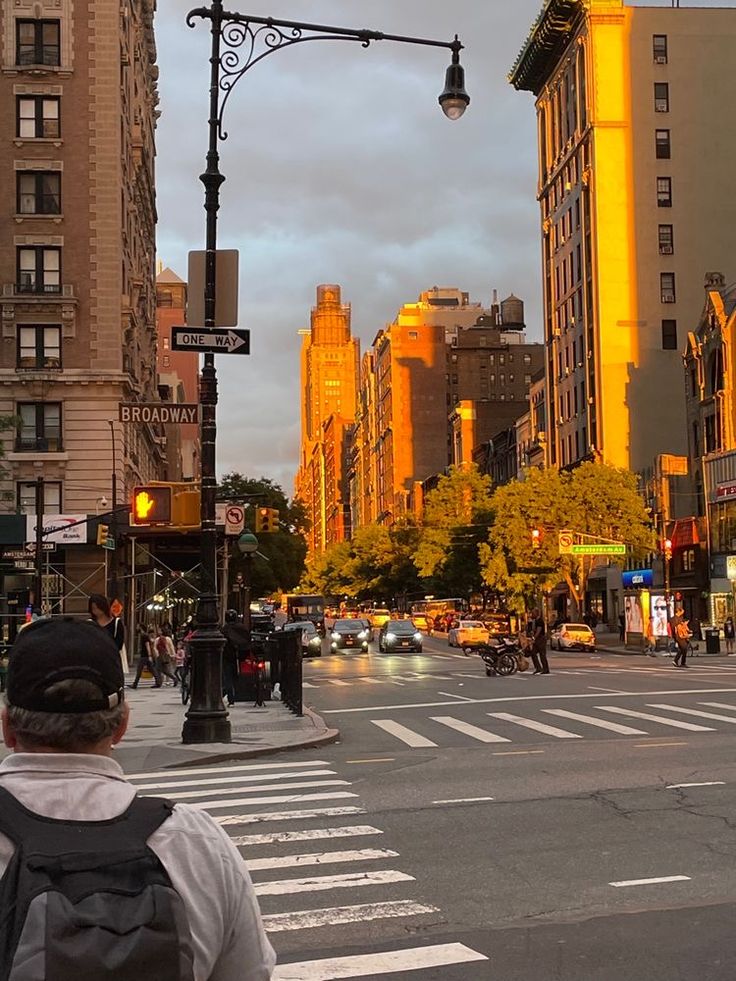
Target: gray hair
[[66, 731]]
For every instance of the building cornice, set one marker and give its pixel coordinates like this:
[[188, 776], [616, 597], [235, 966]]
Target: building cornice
[[548, 38]]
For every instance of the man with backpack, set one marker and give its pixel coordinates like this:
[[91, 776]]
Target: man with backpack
[[96, 882]]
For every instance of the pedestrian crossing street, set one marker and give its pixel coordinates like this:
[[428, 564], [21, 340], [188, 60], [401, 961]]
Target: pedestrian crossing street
[[283, 818], [652, 719]]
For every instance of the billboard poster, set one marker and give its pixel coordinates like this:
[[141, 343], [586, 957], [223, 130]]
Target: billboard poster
[[659, 615], [61, 529], [632, 615]]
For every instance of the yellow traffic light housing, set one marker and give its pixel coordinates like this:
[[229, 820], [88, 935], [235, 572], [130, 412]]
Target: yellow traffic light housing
[[266, 520], [102, 533], [151, 505]]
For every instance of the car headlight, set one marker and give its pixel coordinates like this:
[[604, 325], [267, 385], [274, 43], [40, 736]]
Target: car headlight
[[417, 636], [390, 638], [336, 636], [315, 640], [363, 635]]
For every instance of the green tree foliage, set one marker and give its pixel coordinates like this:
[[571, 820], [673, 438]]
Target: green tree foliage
[[594, 499], [285, 550], [457, 517]]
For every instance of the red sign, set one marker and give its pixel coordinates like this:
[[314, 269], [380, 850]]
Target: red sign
[[726, 490]]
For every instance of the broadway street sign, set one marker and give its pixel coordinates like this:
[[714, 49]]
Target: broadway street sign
[[235, 341], [185, 412], [614, 549]]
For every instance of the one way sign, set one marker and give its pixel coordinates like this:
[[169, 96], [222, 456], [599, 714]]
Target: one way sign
[[236, 341]]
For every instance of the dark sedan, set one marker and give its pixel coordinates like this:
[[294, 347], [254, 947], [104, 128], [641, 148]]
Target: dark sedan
[[349, 635], [399, 635]]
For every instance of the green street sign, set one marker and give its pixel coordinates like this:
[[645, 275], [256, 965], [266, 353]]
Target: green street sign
[[109, 544], [616, 549]]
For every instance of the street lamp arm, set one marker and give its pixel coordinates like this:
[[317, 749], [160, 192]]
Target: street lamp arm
[[248, 40]]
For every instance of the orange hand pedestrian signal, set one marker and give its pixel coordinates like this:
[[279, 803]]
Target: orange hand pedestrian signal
[[536, 537], [151, 505]]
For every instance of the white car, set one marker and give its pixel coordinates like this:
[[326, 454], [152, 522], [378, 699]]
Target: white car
[[468, 633], [573, 637]]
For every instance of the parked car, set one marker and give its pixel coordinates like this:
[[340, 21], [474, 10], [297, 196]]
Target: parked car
[[311, 640], [573, 637], [349, 635], [468, 633], [378, 617], [422, 622], [399, 635]]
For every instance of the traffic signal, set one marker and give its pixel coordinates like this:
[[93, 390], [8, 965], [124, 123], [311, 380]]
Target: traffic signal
[[102, 533], [267, 520], [151, 505], [536, 537], [667, 548]]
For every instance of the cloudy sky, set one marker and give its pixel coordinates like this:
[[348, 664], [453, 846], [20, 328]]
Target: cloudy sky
[[341, 168]]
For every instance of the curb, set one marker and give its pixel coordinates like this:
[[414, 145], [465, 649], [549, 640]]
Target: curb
[[324, 739]]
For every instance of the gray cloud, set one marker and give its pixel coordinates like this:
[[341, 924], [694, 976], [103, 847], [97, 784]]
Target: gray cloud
[[341, 168]]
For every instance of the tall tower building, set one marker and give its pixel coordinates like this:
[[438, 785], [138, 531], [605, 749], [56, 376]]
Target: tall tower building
[[635, 111], [78, 96], [329, 373]]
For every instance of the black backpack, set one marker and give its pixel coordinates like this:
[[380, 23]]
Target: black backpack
[[90, 899]]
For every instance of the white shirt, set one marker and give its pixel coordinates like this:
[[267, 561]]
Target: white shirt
[[205, 868]]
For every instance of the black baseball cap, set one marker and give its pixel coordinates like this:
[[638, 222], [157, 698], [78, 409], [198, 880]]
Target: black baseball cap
[[60, 649]]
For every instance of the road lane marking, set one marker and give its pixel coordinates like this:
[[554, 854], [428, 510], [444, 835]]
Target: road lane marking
[[187, 795], [475, 732], [536, 726], [310, 918], [317, 834], [648, 717], [320, 883], [656, 745], [285, 799], [240, 768], [373, 965], [308, 684], [319, 858], [611, 691], [600, 723], [372, 681], [338, 682], [251, 778], [650, 882], [463, 800], [266, 817], [452, 694], [695, 713], [707, 783], [378, 759], [529, 698], [719, 705], [520, 752], [407, 736]]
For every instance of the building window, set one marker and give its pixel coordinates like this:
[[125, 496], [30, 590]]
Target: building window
[[39, 269], [39, 346], [688, 560], [659, 44], [39, 193], [25, 491], [664, 192], [667, 287], [167, 361], [413, 335], [666, 238], [39, 426], [37, 116], [527, 359], [37, 42], [669, 335], [694, 382], [696, 439], [166, 343], [661, 97], [527, 379], [662, 144]]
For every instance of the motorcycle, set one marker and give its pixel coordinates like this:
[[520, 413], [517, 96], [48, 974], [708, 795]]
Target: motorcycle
[[501, 656]]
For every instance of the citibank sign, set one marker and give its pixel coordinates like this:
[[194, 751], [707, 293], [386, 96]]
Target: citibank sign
[[726, 490]]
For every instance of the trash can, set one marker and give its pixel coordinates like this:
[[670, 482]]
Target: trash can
[[712, 640]]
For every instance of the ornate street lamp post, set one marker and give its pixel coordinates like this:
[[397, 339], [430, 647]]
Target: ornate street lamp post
[[240, 41]]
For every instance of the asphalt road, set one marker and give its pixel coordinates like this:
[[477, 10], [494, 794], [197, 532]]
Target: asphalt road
[[574, 826]]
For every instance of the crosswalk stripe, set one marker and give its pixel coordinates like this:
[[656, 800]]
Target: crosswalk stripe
[[536, 726], [308, 684], [287, 799], [338, 682], [187, 795], [372, 681], [719, 705], [283, 837], [266, 817], [675, 723], [372, 965], [475, 732], [250, 778], [319, 858], [310, 918], [407, 736], [600, 723], [240, 767], [695, 713], [320, 883]]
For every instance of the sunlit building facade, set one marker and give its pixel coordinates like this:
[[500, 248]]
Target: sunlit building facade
[[637, 197]]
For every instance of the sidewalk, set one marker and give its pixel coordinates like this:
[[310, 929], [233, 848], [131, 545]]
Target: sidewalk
[[154, 737]]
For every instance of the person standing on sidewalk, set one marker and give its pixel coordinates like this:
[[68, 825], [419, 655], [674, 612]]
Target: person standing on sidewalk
[[729, 632], [146, 658], [174, 878], [539, 644]]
